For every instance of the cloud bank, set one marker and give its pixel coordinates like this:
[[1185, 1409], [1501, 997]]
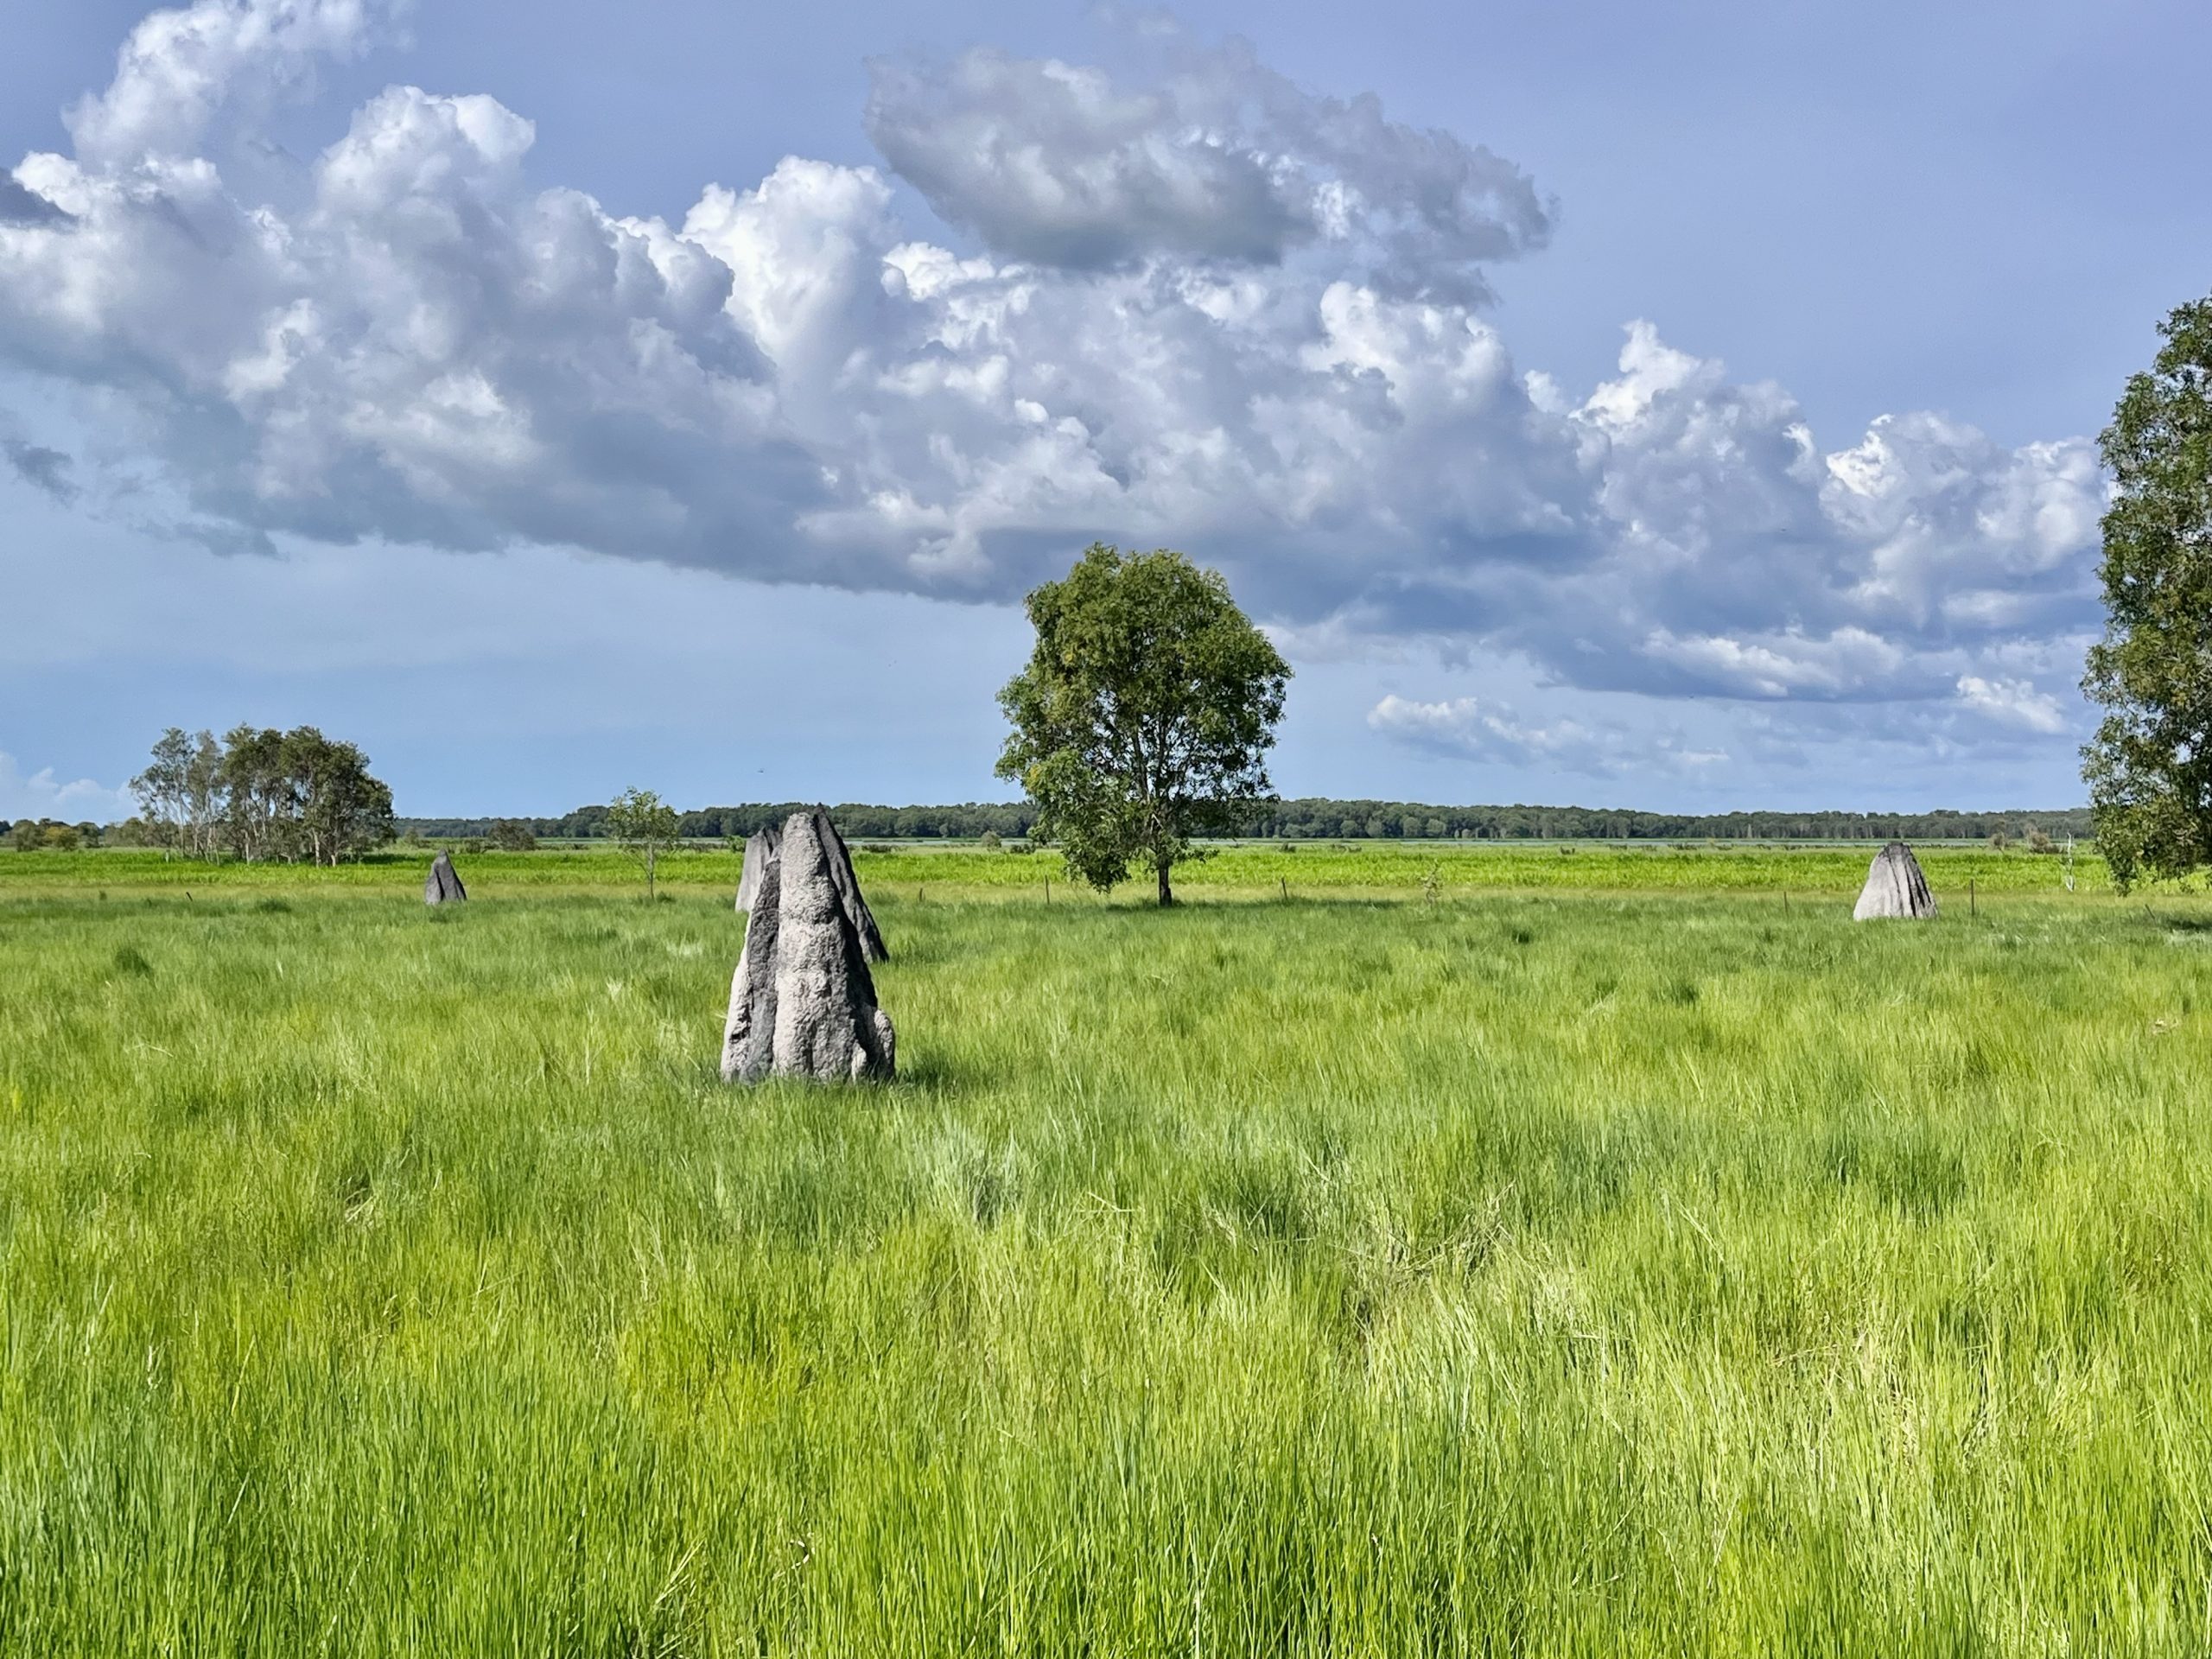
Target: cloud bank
[[42, 795], [1200, 307], [1223, 161], [1473, 729]]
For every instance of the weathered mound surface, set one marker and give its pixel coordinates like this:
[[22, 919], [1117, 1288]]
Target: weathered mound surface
[[803, 1002], [443, 885], [848, 885], [1895, 887], [763, 848], [760, 853]]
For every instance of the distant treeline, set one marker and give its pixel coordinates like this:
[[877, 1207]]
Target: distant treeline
[[963, 822], [1320, 819]]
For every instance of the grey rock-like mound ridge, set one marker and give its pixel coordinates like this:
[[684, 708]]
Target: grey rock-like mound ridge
[[848, 886], [1895, 888], [763, 848], [760, 853], [801, 1003], [443, 885]]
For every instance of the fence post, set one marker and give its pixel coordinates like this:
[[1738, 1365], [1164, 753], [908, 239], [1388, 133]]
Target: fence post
[[1972, 908]]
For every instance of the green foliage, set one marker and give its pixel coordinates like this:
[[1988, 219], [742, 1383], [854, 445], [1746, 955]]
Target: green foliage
[[1144, 717], [2150, 766], [262, 796], [181, 793], [51, 836], [1531, 1273], [1318, 818], [644, 826]]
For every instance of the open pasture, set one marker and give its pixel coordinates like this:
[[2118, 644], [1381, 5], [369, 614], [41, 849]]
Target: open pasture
[[1593, 1253], [1252, 869]]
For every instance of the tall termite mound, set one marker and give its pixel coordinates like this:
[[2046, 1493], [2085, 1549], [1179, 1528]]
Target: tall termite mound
[[1895, 888], [803, 1002], [442, 885]]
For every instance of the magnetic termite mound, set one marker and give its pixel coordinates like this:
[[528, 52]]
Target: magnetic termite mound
[[442, 885], [801, 1003], [1895, 888]]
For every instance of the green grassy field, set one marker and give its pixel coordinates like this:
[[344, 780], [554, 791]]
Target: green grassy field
[[1262, 870], [1613, 1256]]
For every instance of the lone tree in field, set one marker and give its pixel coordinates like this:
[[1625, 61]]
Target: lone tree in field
[[644, 826], [1144, 716], [2150, 766]]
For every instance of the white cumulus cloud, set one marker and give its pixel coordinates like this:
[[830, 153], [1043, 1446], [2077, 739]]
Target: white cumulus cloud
[[2013, 702], [1219, 159], [1209, 308], [42, 795]]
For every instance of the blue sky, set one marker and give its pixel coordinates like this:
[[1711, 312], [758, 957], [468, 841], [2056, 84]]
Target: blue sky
[[1685, 406]]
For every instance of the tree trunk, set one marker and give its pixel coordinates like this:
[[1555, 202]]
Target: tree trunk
[[1167, 892]]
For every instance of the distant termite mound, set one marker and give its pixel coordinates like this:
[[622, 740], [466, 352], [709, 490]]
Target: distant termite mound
[[1895, 888], [760, 853], [443, 885], [803, 1002]]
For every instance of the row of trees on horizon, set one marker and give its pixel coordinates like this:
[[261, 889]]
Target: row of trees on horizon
[[1311, 818], [196, 820]]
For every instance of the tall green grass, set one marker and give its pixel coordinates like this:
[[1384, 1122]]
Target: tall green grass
[[1524, 1272], [1311, 868]]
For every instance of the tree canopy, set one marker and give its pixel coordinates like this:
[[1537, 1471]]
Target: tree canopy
[[644, 826], [2149, 768], [1144, 716], [263, 795]]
